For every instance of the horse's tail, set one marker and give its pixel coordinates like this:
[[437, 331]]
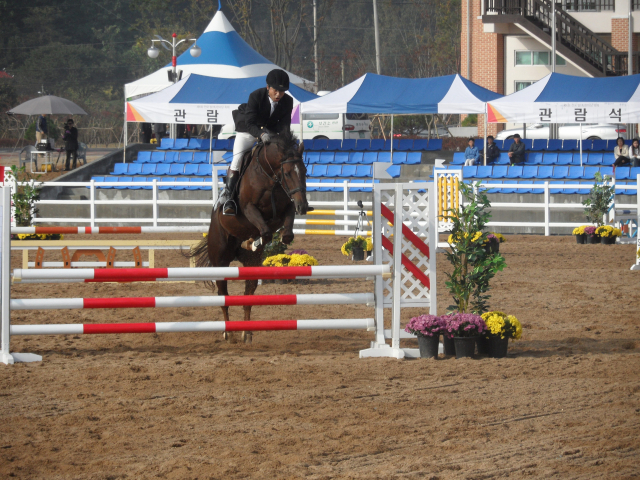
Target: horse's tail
[[200, 252]]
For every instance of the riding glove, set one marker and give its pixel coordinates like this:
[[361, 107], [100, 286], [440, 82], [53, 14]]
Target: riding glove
[[265, 137]]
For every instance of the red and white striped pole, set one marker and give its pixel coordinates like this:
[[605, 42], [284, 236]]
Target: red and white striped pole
[[175, 327], [106, 230], [207, 301]]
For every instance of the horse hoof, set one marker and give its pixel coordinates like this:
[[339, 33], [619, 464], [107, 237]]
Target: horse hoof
[[225, 335], [247, 337]]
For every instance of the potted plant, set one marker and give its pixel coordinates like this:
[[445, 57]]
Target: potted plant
[[428, 329], [580, 235], [599, 201], [608, 234], [355, 246], [293, 260], [464, 328], [591, 235], [500, 328], [369, 246], [493, 244]]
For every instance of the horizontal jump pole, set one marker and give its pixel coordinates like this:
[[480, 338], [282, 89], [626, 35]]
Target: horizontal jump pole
[[105, 230], [209, 273], [176, 327], [205, 301], [328, 232], [354, 213]]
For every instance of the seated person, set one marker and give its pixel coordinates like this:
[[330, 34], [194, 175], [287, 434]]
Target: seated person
[[516, 151], [471, 154], [491, 152], [634, 153], [621, 153]]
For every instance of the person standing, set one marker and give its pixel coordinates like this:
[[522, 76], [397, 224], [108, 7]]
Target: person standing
[[41, 128], [70, 138], [146, 133], [159, 129], [516, 151]]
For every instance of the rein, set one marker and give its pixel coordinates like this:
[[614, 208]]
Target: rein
[[278, 181]]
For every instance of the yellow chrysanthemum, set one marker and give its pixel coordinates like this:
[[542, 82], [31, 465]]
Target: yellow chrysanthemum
[[503, 325], [476, 236], [369, 244], [604, 231], [616, 232], [579, 230], [305, 260]]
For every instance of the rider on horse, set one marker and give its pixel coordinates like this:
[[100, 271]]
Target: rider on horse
[[267, 113]]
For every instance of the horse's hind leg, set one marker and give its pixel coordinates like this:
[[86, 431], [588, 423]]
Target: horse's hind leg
[[250, 287], [223, 290]]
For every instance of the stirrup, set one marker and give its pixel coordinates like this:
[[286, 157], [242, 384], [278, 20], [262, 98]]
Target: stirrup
[[231, 204]]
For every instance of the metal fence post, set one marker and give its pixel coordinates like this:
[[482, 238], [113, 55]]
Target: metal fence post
[[155, 202], [92, 204], [345, 199], [546, 208]]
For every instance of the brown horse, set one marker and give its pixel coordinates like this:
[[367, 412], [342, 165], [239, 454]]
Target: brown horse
[[270, 193]]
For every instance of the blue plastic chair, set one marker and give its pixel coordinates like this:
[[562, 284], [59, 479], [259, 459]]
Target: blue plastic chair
[[355, 158], [334, 170], [144, 157], [539, 144], [554, 145], [628, 142], [575, 173], [515, 172], [563, 158], [607, 171], [195, 180], [420, 144], [560, 172], [522, 191], [348, 144], [124, 180], [205, 170], [394, 171], [140, 187], [553, 191], [384, 157], [362, 145], [499, 171], [369, 157], [176, 169], [97, 180], [623, 173], [458, 158], [319, 171], [538, 190], [484, 172], [149, 169], [499, 144], [528, 143], [493, 190], [327, 157], [348, 171], [399, 158], [479, 144], [135, 169], [611, 144], [608, 159], [569, 145], [171, 157], [185, 157], [509, 189], [319, 144], [230, 144], [503, 159], [414, 158], [191, 169], [545, 171], [435, 144], [589, 173], [341, 158], [166, 144], [376, 145], [180, 144], [530, 171], [633, 174], [157, 157], [507, 144], [364, 171], [387, 144], [312, 157], [535, 158], [469, 172], [205, 144], [120, 169], [403, 145], [194, 144], [333, 145], [594, 159], [163, 168], [599, 145], [166, 179], [222, 144], [201, 157], [586, 145]]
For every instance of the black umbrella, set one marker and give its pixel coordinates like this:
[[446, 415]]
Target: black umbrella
[[49, 105]]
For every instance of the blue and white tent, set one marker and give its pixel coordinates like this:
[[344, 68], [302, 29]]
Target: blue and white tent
[[202, 100], [224, 55], [379, 94], [561, 98]]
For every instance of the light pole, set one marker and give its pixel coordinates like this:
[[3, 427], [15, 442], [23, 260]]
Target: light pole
[[173, 75]]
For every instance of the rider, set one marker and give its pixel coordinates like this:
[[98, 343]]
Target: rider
[[267, 113]]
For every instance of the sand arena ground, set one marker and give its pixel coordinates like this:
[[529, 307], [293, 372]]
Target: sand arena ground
[[564, 404]]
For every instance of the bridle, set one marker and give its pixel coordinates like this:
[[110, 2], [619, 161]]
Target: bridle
[[280, 180]]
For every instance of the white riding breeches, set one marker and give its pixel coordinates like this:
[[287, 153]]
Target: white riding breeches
[[243, 143]]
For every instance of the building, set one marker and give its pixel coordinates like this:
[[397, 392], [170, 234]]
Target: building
[[506, 44]]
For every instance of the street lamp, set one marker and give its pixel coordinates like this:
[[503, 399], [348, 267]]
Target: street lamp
[[153, 52]]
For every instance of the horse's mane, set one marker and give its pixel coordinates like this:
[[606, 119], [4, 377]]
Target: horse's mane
[[286, 142]]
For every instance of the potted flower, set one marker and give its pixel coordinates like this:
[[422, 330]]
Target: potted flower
[[492, 244], [355, 246], [369, 246], [464, 328], [500, 237], [428, 329], [293, 260], [501, 327], [581, 237], [591, 235], [608, 234]]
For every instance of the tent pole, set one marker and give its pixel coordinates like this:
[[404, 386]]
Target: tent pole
[[124, 134], [210, 142], [486, 125], [580, 126], [391, 139]]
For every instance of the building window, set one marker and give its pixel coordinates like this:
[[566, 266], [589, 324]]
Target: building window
[[560, 61], [588, 5], [635, 5], [522, 85], [523, 58], [541, 58]]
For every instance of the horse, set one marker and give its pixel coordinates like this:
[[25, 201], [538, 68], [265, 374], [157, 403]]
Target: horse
[[270, 193]]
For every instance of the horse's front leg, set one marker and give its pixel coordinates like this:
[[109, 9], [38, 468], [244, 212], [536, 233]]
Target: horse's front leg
[[223, 290], [287, 229], [250, 287], [254, 216]]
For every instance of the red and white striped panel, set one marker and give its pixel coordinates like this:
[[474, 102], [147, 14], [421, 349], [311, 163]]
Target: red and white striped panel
[[175, 327], [212, 273], [208, 301]]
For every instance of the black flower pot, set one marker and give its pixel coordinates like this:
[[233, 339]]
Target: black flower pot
[[580, 238], [484, 346], [499, 346], [608, 240], [428, 346], [492, 247], [591, 239], [465, 346], [358, 253], [449, 346]]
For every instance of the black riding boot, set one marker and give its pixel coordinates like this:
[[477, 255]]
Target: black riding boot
[[229, 207]]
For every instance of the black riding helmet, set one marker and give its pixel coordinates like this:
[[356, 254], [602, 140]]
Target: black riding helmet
[[278, 79]]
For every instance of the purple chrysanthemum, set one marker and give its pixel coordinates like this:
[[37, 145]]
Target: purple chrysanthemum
[[465, 325], [426, 325]]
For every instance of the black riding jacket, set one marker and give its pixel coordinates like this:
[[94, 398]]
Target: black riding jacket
[[254, 116]]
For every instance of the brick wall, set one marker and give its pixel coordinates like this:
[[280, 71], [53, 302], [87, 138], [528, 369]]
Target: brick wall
[[487, 58]]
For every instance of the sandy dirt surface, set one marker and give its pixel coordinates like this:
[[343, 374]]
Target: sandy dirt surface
[[565, 404]]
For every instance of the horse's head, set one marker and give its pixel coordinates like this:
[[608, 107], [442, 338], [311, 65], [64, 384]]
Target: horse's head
[[293, 173]]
